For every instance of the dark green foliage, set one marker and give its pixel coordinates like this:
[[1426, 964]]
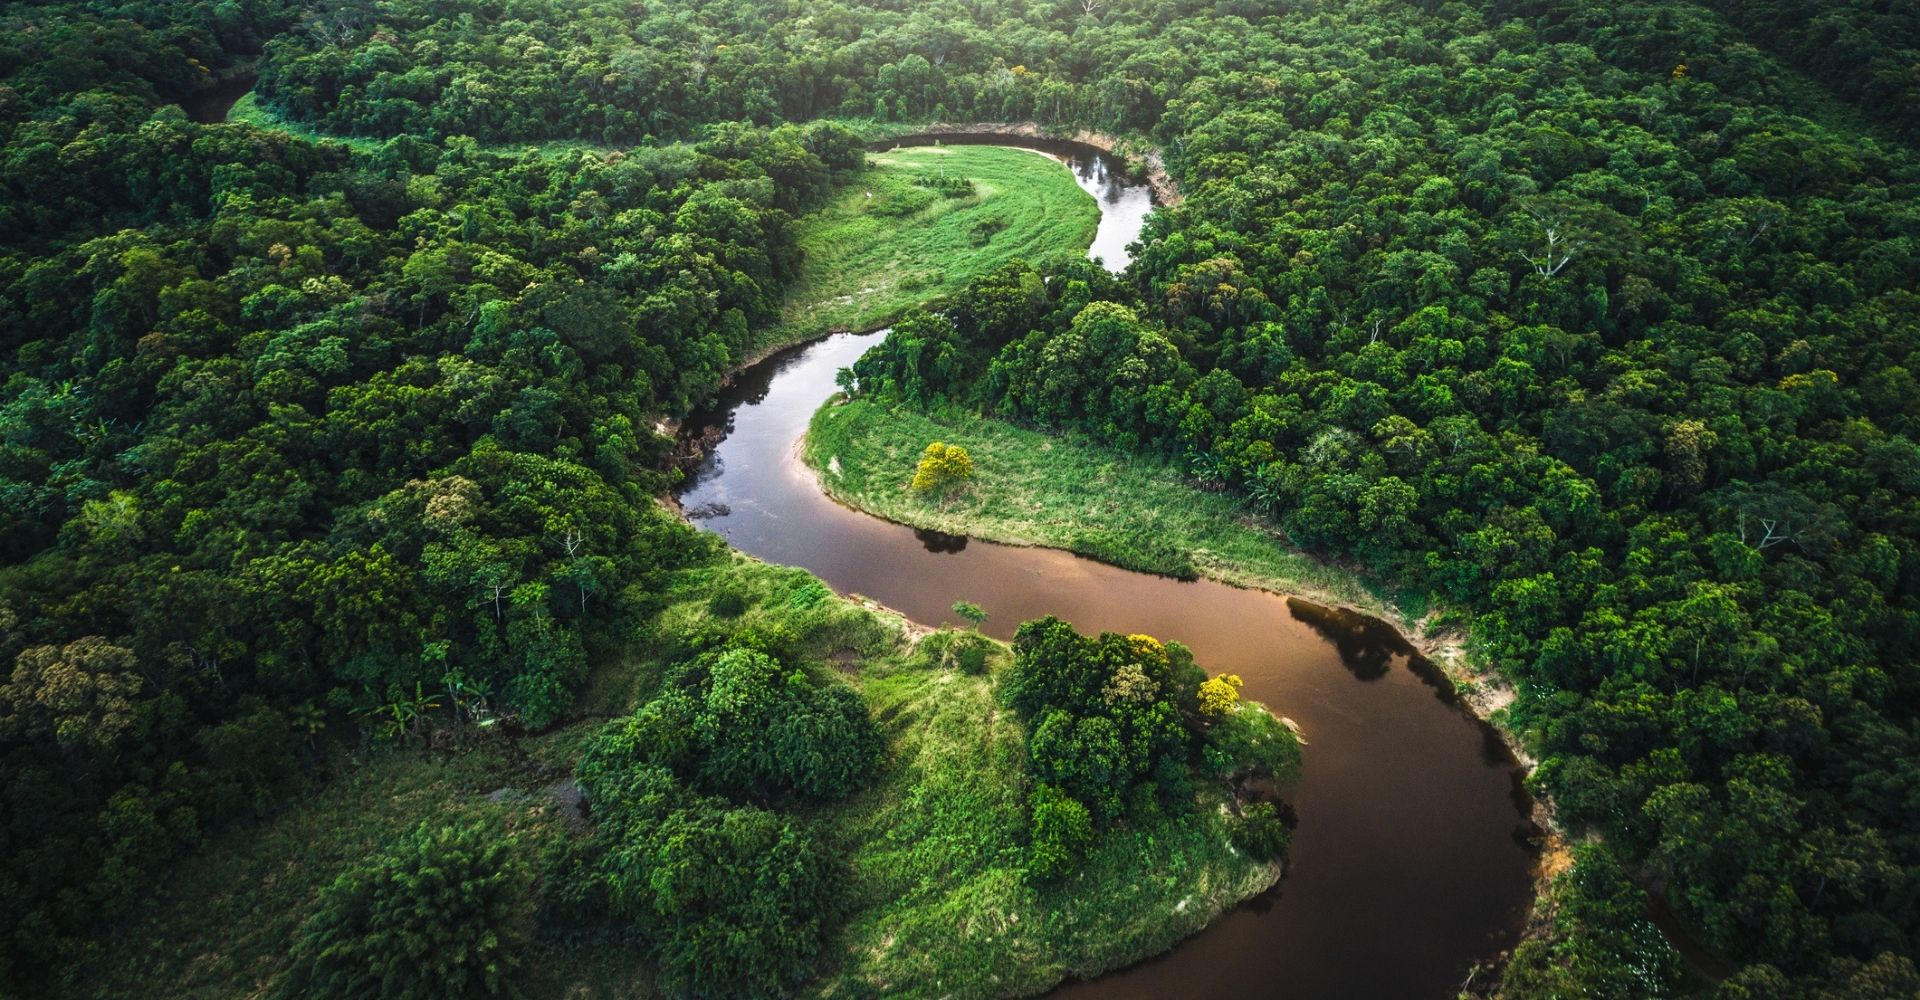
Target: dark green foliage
[[1113, 730], [1612, 357], [1261, 832], [732, 900], [1602, 947], [443, 913], [765, 730], [323, 438], [727, 604], [1496, 303]]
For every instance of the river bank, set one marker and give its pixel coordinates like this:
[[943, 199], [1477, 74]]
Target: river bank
[[1035, 489], [1135, 512]]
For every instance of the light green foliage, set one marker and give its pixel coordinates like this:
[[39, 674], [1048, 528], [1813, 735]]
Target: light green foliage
[[442, 913], [1062, 832], [885, 244], [1248, 740], [973, 613]]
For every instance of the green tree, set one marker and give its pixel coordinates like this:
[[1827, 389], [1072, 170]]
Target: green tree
[[444, 912]]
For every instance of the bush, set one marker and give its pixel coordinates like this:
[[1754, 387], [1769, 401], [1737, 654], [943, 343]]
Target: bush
[[727, 604], [1261, 833], [732, 901], [1062, 830], [444, 913], [1250, 741], [942, 466], [765, 729], [735, 901]]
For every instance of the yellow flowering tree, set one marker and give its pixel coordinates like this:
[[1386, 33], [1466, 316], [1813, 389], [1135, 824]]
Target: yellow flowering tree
[[1219, 694], [942, 466]]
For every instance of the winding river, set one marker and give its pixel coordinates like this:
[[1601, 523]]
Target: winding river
[[1411, 860]]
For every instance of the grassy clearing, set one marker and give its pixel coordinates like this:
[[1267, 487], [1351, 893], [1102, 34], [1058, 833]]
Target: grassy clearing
[[1031, 488], [886, 243], [935, 847]]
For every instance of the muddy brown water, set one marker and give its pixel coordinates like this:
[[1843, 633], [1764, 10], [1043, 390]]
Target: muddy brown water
[[1412, 858]]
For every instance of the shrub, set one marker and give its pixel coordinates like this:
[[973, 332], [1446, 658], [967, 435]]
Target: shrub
[[732, 901], [1249, 741], [1261, 833], [1219, 694], [942, 466], [441, 914], [1061, 831], [727, 604], [765, 729]]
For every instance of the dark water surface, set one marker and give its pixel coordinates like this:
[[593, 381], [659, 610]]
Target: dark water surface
[[210, 106], [1410, 862]]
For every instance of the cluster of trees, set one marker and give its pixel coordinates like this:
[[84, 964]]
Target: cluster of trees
[[732, 896], [1868, 52], [1615, 356], [299, 440], [1116, 726], [441, 913], [615, 72]]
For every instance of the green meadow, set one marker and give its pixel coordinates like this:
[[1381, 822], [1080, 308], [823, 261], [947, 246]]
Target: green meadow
[[920, 224]]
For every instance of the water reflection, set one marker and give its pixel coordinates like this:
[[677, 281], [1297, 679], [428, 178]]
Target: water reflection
[[940, 541], [1366, 645]]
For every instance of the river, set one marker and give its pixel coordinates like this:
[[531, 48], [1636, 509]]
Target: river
[[1412, 858]]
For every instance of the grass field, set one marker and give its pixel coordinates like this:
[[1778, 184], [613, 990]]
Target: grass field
[[886, 243], [1031, 488]]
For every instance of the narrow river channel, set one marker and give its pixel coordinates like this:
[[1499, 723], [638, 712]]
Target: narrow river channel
[[1411, 860]]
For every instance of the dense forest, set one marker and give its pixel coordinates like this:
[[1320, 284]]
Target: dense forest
[[1594, 324]]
